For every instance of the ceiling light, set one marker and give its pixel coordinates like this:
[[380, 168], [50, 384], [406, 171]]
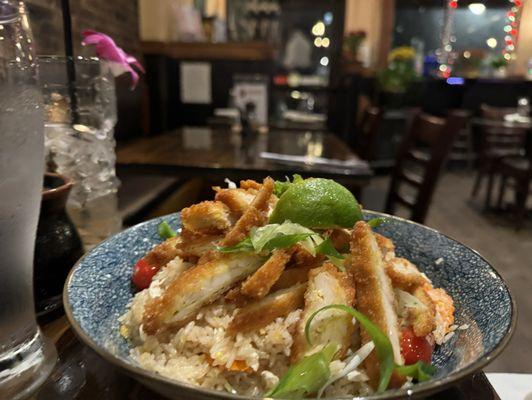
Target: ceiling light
[[491, 42], [477, 8], [318, 29]]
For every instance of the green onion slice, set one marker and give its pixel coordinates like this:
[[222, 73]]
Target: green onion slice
[[375, 222], [306, 376], [383, 347], [165, 231]]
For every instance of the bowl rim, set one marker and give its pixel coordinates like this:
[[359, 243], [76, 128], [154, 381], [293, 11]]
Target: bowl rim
[[423, 388]]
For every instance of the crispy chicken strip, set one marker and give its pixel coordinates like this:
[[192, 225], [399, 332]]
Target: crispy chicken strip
[[207, 217], [423, 320], [404, 275], [292, 276], [255, 215], [237, 200], [302, 258], [444, 306], [340, 239], [250, 184], [196, 287], [194, 245], [259, 284], [326, 286], [374, 295], [386, 245], [260, 313], [163, 253]]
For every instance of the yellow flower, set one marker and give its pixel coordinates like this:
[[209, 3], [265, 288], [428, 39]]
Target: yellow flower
[[402, 53]]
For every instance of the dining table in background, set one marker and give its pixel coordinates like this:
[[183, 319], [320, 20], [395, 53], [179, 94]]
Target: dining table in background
[[225, 153], [526, 124]]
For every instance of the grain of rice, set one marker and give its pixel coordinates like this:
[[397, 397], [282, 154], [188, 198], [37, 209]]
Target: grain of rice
[[448, 337]]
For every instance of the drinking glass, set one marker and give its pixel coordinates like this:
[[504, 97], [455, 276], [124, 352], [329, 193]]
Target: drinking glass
[[79, 141], [26, 357]]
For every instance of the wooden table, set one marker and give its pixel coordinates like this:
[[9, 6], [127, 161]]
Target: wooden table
[[223, 153], [492, 123]]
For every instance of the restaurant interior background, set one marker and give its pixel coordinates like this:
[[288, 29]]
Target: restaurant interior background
[[356, 69]]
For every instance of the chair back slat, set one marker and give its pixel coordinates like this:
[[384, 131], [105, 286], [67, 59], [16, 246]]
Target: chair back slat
[[419, 161], [509, 139], [367, 132], [496, 113]]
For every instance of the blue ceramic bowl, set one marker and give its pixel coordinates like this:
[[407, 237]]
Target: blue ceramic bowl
[[98, 290]]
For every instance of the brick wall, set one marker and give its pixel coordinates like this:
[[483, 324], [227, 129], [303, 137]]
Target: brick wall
[[117, 18]]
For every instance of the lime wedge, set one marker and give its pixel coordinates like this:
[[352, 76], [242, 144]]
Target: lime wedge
[[317, 204]]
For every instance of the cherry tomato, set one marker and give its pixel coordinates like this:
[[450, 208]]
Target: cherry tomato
[[143, 274], [415, 348]]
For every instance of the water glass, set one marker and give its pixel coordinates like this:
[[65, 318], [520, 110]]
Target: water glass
[[79, 139], [26, 357]]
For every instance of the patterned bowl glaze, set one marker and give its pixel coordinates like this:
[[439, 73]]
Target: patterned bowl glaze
[[98, 290]]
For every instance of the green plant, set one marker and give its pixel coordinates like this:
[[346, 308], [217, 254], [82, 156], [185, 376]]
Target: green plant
[[498, 62], [400, 72], [352, 41], [397, 76]]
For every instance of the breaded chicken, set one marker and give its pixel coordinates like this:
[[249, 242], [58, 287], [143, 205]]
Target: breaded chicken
[[326, 286], [404, 275], [292, 276], [386, 245], [255, 215], [444, 306], [250, 184], [302, 257], [196, 287], [260, 313], [375, 297], [163, 253], [237, 200], [340, 239], [423, 320], [259, 284], [193, 246], [206, 218]]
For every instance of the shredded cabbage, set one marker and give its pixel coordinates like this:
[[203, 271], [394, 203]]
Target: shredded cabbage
[[351, 363], [406, 301], [230, 183], [261, 236]]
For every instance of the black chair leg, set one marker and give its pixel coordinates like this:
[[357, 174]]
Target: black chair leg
[[502, 191], [476, 185], [521, 196], [489, 190]]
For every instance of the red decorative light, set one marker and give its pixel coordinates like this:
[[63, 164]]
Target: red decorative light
[[453, 3], [518, 3], [513, 32]]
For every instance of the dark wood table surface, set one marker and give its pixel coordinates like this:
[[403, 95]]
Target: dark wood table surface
[[491, 123], [223, 153]]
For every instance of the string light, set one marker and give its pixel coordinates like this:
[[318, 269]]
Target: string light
[[511, 29], [445, 55]]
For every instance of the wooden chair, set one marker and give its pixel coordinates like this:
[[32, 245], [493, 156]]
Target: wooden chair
[[496, 142], [519, 169], [425, 147], [368, 132]]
